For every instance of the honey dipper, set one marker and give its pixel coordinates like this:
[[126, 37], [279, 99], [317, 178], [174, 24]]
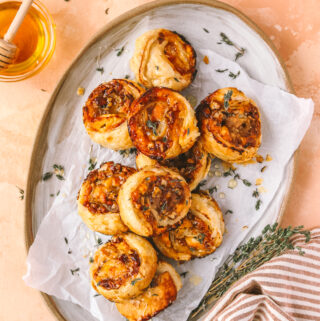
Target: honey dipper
[[8, 50]]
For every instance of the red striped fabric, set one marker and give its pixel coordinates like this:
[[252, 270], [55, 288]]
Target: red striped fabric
[[287, 288]]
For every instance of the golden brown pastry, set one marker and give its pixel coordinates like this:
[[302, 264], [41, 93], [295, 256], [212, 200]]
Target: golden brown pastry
[[105, 113], [163, 58], [199, 234], [154, 200], [97, 199], [158, 296], [123, 267], [192, 165], [230, 125], [162, 124]]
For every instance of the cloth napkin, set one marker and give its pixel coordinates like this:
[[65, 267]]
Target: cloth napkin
[[287, 288]]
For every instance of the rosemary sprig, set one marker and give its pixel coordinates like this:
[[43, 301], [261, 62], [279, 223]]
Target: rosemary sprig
[[272, 242]]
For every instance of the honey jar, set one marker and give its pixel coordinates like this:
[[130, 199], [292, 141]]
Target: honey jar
[[35, 39]]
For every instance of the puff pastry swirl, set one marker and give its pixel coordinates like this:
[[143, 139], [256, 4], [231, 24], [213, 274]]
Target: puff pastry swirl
[[230, 125], [199, 234], [154, 200], [159, 295], [97, 199], [123, 267], [163, 58], [105, 113], [162, 124], [192, 165]]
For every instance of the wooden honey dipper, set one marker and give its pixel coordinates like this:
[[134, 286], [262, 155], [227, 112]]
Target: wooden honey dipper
[[8, 50]]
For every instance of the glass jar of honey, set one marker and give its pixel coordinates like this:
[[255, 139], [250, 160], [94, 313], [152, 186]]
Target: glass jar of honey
[[35, 39]]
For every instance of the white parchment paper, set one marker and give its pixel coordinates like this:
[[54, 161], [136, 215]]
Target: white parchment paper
[[285, 119]]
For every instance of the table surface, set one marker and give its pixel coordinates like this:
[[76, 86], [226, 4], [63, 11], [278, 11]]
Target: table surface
[[293, 26]]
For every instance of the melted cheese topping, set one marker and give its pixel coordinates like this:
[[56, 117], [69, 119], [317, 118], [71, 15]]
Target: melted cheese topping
[[162, 124], [160, 199], [117, 264], [100, 190]]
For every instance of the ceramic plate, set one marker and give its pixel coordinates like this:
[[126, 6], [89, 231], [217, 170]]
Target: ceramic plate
[[263, 65]]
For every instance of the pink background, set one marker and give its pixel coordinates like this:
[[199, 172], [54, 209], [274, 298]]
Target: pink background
[[293, 26]]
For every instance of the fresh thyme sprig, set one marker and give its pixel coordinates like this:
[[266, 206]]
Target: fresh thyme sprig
[[225, 39], [248, 257]]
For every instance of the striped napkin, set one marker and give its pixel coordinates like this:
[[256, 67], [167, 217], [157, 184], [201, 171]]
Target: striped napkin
[[285, 288]]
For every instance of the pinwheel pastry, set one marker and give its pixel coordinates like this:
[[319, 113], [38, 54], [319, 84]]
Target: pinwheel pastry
[[162, 124], [97, 199], [105, 113], [154, 200], [123, 267], [230, 125], [159, 295], [163, 58], [199, 234], [192, 165]]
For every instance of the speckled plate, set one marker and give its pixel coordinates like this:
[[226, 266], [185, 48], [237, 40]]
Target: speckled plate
[[264, 65]]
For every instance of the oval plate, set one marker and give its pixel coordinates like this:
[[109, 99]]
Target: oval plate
[[265, 65]]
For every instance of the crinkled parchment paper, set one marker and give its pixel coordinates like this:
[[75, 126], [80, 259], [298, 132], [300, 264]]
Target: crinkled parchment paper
[[285, 119]]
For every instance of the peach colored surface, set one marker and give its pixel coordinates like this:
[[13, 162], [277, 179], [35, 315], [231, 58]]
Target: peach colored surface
[[293, 26]]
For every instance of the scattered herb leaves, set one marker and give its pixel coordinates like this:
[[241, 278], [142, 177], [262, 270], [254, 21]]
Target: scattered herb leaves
[[21, 192], [255, 193], [221, 70], [234, 76], [239, 54], [97, 294], [246, 182], [100, 69], [206, 30], [47, 176], [226, 99], [153, 126], [176, 79], [183, 274], [133, 282], [126, 77], [258, 204], [60, 177], [201, 237], [263, 169], [213, 189], [92, 164], [120, 51], [66, 240], [73, 271], [228, 212], [106, 11]]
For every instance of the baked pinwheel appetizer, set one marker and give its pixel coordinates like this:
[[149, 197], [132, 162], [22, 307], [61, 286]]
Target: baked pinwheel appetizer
[[162, 124], [97, 199], [105, 113], [199, 234], [159, 295], [192, 165], [154, 200], [123, 267], [230, 125], [163, 58]]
